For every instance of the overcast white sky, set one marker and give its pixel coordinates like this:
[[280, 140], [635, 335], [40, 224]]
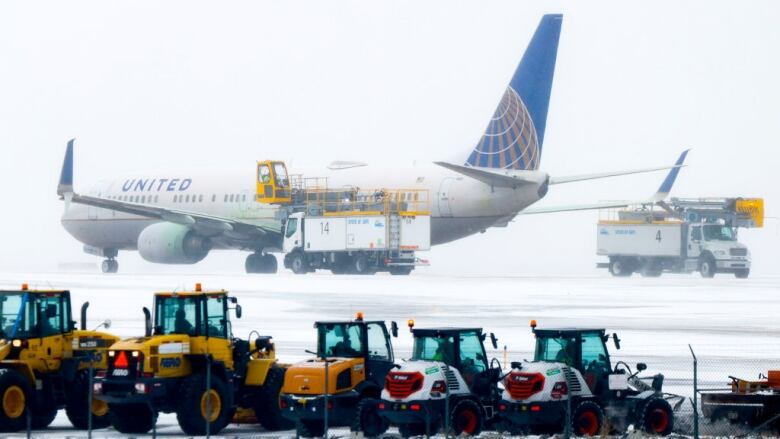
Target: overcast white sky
[[217, 85]]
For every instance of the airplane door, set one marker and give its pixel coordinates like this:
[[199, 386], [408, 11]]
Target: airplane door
[[445, 196]]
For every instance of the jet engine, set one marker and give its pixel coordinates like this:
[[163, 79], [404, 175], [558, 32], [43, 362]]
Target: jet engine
[[169, 243]]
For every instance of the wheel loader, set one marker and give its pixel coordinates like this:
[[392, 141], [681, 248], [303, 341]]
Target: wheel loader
[[342, 385], [45, 361], [189, 363]]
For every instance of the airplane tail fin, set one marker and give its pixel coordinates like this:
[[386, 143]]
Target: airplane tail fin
[[513, 138], [66, 175]]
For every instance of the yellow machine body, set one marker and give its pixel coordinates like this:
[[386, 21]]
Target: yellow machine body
[[308, 377], [273, 183]]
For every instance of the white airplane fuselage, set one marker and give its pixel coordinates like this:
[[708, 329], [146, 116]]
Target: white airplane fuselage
[[460, 206]]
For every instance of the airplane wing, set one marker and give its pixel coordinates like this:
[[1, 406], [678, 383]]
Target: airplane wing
[[658, 197], [207, 224]]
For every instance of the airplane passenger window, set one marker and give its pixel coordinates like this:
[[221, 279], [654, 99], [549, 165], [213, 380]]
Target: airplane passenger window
[[143, 198], [156, 197], [231, 198], [213, 198], [226, 198], [200, 198], [243, 197], [175, 198]]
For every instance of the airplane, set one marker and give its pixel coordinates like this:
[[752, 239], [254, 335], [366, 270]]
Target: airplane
[[179, 218]]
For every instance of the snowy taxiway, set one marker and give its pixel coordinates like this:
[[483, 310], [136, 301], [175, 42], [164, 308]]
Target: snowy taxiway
[[732, 324]]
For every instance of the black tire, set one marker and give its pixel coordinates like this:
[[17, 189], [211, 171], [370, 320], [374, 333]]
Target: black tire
[[109, 266], [191, 412], [268, 263], [400, 271], [76, 404], [298, 263], [13, 411], [360, 264], [618, 267], [587, 419], [657, 417], [367, 419], [466, 418], [310, 428], [132, 418], [742, 274], [43, 417], [267, 409], [707, 267], [409, 430], [250, 265]]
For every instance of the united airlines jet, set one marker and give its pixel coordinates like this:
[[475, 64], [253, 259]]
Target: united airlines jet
[[178, 218]]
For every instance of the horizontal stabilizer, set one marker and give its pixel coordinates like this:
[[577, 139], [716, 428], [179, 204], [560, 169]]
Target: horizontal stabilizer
[[507, 178], [584, 177]]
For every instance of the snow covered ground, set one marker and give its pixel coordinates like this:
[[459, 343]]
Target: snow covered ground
[[732, 324]]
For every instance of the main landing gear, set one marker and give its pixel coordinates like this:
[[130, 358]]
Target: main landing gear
[[110, 265], [260, 263]]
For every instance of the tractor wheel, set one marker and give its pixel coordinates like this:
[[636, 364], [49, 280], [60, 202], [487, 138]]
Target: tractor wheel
[[76, 404], [619, 267], [657, 417], [310, 428], [707, 267], [466, 418], [588, 419], [14, 394], [400, 271], [367, 419], [43, 417], [132, 418], [298, 263], [267, 409], [742, 274], [409, 430], [194, 411]]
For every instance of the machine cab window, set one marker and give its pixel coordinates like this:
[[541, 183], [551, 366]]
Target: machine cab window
[[434, 348], [216, 309], [340, 340], [718, 232], [264, 174], [595, 361], [280, 175], [51, 315], [18, 315], [557, 349], [378, 342], [472, 356], [176, 315]]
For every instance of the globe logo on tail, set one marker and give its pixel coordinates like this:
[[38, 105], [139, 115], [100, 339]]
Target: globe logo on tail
[[510, 140]]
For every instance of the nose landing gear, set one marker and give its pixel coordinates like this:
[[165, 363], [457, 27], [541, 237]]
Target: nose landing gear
[[110, 265]]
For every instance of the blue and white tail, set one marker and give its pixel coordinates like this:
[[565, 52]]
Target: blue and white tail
[[513, 138]]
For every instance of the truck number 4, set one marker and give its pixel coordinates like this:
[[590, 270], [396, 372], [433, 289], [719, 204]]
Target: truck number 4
[[658, 236], [324, 228]]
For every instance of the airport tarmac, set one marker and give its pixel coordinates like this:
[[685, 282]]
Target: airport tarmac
[[731, 323]]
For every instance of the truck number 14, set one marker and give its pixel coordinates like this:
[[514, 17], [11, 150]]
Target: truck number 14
[[325, 228]]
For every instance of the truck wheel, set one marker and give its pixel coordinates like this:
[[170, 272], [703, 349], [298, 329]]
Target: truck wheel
[[132, 418], [588, 419], [707, 267], [310, 428], [657, 417], [367, 419], [466, 418], [76, 404], [742, 274], [267, 409], [298, 263], [400, 271], [193, 412], [14, 394], [360, 264], [409, 430], [619, 267]]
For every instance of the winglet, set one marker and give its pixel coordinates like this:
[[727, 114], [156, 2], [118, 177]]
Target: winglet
[[66, 176], [668, 182]]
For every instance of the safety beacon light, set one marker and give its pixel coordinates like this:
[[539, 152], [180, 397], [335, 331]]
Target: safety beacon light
[[410, 323], [533, 324], [198, 287], [359, 316], [25, 287]]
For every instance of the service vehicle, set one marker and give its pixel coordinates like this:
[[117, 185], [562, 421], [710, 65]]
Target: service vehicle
[[45, 362], [572, 370], [359, 232], [189, 363], [448, 383], [342, 385], [682, 236], [752, 403]]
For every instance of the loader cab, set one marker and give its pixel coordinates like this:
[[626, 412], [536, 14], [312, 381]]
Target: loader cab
[[273, 183], [460, 348], [196, 314], [369, 340], [30, 314], [582, 349]]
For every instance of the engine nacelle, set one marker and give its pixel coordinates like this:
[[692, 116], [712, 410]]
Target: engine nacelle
[[169, 243]]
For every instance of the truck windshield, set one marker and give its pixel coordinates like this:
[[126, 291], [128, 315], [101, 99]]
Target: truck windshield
[[719, 233], [176, 315], [292, 227], [17, 311], [433, 348], [340, 340]]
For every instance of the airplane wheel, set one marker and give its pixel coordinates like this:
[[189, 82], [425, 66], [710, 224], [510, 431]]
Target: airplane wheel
[[270, 263], [109, 266]]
